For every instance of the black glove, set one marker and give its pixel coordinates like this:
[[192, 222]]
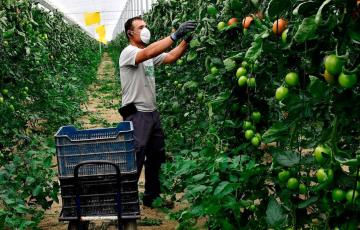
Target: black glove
[[184, 28], [188, 38]]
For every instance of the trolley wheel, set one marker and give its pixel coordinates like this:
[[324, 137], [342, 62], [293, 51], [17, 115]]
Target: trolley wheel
[[130, 225], [75, 225]]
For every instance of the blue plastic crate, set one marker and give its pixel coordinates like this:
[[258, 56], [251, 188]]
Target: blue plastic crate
[[113, 144]]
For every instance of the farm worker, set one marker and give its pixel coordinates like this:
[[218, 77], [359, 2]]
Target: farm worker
[[137, 77]]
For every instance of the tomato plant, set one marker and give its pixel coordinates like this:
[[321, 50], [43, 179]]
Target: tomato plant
[[222, 171], [46, 65]]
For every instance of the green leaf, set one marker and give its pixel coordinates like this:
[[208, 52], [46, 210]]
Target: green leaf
[[37, 190], [216, 61], [20, 208], [318, 89], [354, 32], [286, 158], [230, 64], [275, 132], [254, 52], [194, 43], [226, 225], [274, 214], [192, 56], [304, 8], [318, 14], [223, 189], [235, 5], [230, 124], [306, 31], [277, 7], [199, 177], [307, 202], [30, 180]]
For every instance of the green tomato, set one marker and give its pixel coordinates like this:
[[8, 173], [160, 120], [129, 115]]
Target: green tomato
[[292, 79], [241, 72], [281, 93], [321, 175], [247, 125], [330, 175], [333, 64], [179, 62], [258, 135], [320, 152], [255, 141], [245, 64], [1, 100], [302, 189], [11, 107], [256, 116], [293, 183], [284, 176], [284, 35], [349, 195], [242, 81], [251, 82], [252, 208], [221, 26], [212, 11], [347, 81], [338, 195], [199, 97], [249, 134], [214, 70], [5, 91]]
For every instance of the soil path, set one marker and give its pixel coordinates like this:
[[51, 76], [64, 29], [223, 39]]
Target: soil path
[[101, 111]]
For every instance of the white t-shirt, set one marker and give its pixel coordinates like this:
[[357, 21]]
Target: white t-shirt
[[138, 81]]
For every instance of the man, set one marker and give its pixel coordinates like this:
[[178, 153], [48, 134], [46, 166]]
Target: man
[[137, 76]]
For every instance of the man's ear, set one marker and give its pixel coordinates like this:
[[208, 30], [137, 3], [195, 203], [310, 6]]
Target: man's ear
[[129, 33]]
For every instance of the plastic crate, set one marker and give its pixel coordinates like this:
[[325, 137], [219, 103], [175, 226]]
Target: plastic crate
[[97, 196], [113, 144]]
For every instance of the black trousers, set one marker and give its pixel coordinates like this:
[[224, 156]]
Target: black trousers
[[150, 149]]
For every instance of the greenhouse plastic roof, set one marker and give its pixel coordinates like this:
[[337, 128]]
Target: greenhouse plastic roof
[[113, 12]]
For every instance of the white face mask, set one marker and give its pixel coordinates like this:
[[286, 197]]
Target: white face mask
[[145, 35]]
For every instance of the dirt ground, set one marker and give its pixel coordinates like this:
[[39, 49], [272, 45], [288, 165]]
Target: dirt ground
[[101, 111]]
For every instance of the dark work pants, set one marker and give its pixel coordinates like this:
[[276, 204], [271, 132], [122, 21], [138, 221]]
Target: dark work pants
[[149, 143]]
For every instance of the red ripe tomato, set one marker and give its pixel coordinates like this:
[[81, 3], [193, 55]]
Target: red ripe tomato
[[232, 21], [247, 22], [279, 26]]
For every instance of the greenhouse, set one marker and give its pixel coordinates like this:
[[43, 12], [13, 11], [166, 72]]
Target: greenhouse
[[179, 114]]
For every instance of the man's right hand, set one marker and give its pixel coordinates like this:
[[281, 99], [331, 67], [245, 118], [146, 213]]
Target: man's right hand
[[184, 28]]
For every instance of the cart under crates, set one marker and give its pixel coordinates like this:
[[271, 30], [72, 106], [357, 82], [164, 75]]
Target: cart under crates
[[97, 173]]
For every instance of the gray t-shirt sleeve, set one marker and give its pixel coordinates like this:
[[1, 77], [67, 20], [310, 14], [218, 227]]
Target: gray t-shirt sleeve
[[158, 60], [128, 56]]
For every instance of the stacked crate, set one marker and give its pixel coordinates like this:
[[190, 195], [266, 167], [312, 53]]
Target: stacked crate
[[97, 183]]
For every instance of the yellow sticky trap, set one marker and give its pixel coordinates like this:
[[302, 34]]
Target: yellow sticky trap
[[92, 18], [100, 30], [102, 39]]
